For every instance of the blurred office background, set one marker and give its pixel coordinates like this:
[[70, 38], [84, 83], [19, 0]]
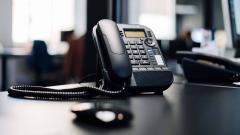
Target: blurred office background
[[64, 24]]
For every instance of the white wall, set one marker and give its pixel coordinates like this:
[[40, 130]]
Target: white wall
[[6, 22], [80, 17]]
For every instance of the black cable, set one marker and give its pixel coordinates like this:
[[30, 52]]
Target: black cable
[[79, 92]]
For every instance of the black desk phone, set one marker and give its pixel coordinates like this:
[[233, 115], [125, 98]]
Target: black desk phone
[[205, 68], [129, 61]]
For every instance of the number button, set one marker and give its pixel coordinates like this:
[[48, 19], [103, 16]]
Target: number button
[[135, 52], [144, 57], [127, 47], [142, 52], [137, 57], [144, 62], [131, 42], [130, 57], [140, 47], [133, 47], [134, 62], [139, 42]]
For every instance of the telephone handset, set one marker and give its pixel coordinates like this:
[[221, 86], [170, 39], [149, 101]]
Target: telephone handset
[[129, 61], [129, 55], [115, 63]]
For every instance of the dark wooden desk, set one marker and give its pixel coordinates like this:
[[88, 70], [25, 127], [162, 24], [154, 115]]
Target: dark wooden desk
[[183, 109]]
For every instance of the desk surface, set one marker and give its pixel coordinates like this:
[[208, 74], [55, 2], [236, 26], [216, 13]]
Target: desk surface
[[183, 109]]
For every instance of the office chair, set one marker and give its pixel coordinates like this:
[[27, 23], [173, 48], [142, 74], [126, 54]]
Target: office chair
[[40, 61]]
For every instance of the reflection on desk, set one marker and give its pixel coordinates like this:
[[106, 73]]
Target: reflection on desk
[[183, 109]]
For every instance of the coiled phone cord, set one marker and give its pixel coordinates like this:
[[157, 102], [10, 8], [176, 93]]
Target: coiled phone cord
[[79, 92]]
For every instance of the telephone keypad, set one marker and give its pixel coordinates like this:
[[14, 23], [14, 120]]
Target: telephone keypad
[[144, 57]]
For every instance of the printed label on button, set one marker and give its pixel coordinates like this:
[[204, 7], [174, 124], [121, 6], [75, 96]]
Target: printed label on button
[[159, 59]]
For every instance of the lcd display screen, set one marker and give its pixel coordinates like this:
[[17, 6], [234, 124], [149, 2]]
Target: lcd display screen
[[135, 33]]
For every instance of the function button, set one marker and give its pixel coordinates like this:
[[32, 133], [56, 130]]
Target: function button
[[125, 42], [144, 62], [131, 42], [130, 57], [149, 42], [134, 62], [129, 52], [135, 52], [144, 57], [137, 57], [140, 47], [156, 51], [150, 68], [142, 69], [133, 47], [127, 47], [135, 69], [139, 42], [159, 59], [142, 52], [150, 52]]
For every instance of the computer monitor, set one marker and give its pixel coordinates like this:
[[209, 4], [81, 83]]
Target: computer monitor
[[231, 14]]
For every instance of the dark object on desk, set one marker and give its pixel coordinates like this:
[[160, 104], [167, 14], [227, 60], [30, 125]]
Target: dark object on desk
[[105, 115], [199, 67]]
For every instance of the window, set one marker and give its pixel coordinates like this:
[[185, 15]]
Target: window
[[159, 15], [41, 19]]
